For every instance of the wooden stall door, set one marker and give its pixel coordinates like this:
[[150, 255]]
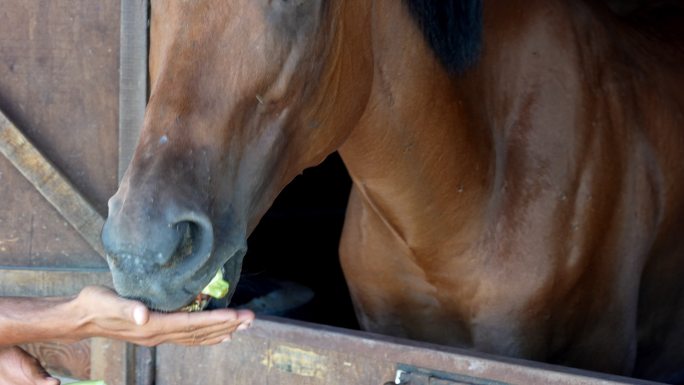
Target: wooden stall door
[[284, 352], [61, 96]]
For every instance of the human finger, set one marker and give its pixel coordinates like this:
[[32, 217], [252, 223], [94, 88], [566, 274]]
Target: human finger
[[31, 367], [193, 334], [37, 374], [245, 316], [207, 339], [181, 322], [129, 310], [199, 334], [31, 370]]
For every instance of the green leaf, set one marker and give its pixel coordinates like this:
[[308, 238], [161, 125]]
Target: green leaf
[[217, 288]]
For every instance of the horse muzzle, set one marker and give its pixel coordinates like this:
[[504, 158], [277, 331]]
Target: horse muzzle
[[164, 259]]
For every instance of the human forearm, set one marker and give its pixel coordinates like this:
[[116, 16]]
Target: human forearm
[[28, 319]]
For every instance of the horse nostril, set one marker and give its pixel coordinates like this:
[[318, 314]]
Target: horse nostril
[[189, 233], [185, 231], [195, 238], [137, 243]]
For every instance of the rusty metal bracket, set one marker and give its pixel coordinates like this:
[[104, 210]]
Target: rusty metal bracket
[[410, 375]]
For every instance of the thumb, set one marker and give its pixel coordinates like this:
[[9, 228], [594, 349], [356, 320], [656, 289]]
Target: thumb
[[39, 374], [140, 313], [127, 308], [33, 370]]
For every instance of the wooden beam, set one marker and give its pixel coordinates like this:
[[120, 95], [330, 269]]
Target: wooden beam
[[38, 282], [71, 360], [54, 186], [287, 352], [132, 103], [109, 361], [133, 77]]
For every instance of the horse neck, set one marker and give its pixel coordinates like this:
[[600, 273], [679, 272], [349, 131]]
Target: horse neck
[[417, 156]]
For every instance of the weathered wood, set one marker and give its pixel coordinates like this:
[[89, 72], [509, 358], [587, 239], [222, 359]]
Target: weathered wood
[[133, 79], [59, 82], [72, 360], [143, 361], [34, 282], [109, 361], [132, 102], [33, 233], [284, 352], [51, 183], [59, 70]]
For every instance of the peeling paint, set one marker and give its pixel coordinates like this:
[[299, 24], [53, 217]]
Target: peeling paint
[[297, 361]]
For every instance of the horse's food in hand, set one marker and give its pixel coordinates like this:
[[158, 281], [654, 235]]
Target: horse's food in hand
[[217, 288]]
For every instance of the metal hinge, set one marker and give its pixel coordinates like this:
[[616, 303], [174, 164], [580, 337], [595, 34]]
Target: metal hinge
[[408, 375]]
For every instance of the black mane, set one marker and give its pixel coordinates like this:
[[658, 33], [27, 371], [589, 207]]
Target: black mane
[[453, 28]]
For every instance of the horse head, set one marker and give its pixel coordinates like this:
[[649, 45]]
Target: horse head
[[244, 96]]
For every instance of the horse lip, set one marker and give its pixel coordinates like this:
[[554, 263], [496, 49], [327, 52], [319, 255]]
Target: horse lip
[[232, 280]]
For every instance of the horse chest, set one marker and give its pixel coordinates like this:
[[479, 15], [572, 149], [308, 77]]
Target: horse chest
[[430, 295], [506, 294]]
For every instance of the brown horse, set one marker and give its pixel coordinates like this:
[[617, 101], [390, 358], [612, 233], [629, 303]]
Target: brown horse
[[517, 167]]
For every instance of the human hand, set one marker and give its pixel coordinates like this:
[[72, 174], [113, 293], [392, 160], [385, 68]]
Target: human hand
[[105, 314], [20, 368]]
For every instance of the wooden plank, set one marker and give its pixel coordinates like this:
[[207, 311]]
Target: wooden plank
[[143, 361], [71, 360], [133, 78], [32, 232], [59, 70], [132, 102], [51, 183], [109, 361], [285, 352], [53, 282]]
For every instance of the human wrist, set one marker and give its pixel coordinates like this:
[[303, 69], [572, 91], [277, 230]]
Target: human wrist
[[79, 321]]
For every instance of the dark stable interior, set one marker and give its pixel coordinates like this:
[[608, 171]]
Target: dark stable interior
[[296, 242]]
